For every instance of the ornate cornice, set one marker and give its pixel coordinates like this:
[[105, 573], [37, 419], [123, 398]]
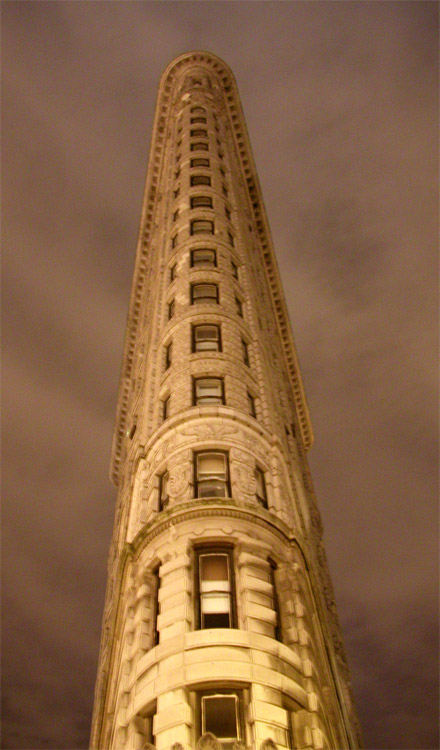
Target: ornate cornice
[[167, 85]]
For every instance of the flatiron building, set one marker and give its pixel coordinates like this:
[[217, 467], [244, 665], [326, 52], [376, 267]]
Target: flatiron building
[[220, 628]]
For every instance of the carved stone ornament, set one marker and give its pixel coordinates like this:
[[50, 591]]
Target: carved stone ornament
[[208, 741], [268, 744], [179, 481]]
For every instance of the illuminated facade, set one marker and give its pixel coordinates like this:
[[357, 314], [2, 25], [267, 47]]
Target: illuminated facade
[[220, 628]]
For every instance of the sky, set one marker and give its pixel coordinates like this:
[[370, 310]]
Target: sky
[[340, 100]]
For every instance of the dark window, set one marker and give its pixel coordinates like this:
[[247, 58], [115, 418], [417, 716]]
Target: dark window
[[221, 714], [234, 268], [173, 272], [178, 158], [211, 470], [227, 212], [163, 491], [203, 258], [166, 408], [176, 192], [174, 241], [245, 350], [199, 162], [231, 239], [220, 154], [199, 133], [168, 355], [260, 490], [199, 146], [200, 179], [198, 110], [195, 120], [175, 215], [222, 172], [201, 201], [239, 307], [201, 226], [177, 174], [275, 601], [132, 431], [171, 306], [208, 391], [251, 405], [155, 633], [206, 338], [204, 293], [225, 190]]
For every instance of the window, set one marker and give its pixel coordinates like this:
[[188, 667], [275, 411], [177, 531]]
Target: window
[[214, 586], [177, 174], [201, 226], [200, 179], [234, 269], [198, 110], [231, 239], [199, 146], [173, 272], [221, 713], [201, 201], [176, 192], [208, 391], [206, 338], [144, 723], [260, 490], [202, 294], [245, 350], [195, 120], [220, 154], [211, 472], [168, 355], [275, 602], [171, 306], [199, 133], [174, 241], [176, 215], [239, 307], [227, 212], [251, 405], [225, 190], [200, 162], [163, 491], [203, 258], [222, 172], [165, 408]]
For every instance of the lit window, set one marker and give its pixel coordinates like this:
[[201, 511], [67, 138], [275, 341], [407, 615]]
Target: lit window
[[173, 272], [234, 269], [208, 391], [203, 257], [251, 405], [215, 588], [201, 201], [204, 294], [239, 307], [200, 179], [163, 491], [221, 715], [199, 146], [199, 162], [195, 120], [171, 306], [168, 355], [211, 475], [201, 226], [199, 133], [206, 338], [165, 408], [245, 350], [198, 110], [260, 490]]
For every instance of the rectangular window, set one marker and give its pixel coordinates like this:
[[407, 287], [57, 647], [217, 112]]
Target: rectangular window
[[165, 408], [201, 226], [176, 215], [199, 162], [221, 714], [174, 241], [231, 239], [168, 355], [203, 258], [206, 338], [173, 272], [239, 307], [214, 586], [220, 154], [155, 632], [176, 193], [171, 306], [251, 405], [234, 269], [211, 474], [260, 489], [195, 120], [225, 190], [208, 391], [200, 179], [275, 601], [199, 133], [245, 350], [199, 146], [201, 201], [202, 294], [227, 212], [163, 491]]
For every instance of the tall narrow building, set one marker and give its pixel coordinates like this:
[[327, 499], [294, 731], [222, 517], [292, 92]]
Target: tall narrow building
[[219, 628]]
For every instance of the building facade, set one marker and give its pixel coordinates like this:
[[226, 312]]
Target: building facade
[[219, 628]]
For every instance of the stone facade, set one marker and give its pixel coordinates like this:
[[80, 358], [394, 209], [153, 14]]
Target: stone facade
[[219, 628]]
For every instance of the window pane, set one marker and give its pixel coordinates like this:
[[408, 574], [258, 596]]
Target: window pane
[[203, 201], [206, 338], [211, 488], [211, 465], [220, 716], [199, 146], [204, 293], [200, 132], [200, 162], [214, 568], [200, 179], [203, 257], [202, 226], [209, 391]]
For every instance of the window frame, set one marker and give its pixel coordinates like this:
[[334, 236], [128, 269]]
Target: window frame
[[261, 499], [206, 162], [166, 407], [278, 631], [171, 308], [196, 180], [173, 270], [163, 495], [198, 133], [239, 306], [218, 692], [194, 201], [204, 300], [168, 355], [234, 269], [221, 381], [197, 481], [218, 339], [214, 549], [252, 404], [199, 146], [245, 352], [203, 264], [201, 226]]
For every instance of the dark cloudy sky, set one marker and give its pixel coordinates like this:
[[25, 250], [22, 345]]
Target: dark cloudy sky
[[340, 102]]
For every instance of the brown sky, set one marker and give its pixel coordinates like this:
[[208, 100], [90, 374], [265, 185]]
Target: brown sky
[[340, 102]]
